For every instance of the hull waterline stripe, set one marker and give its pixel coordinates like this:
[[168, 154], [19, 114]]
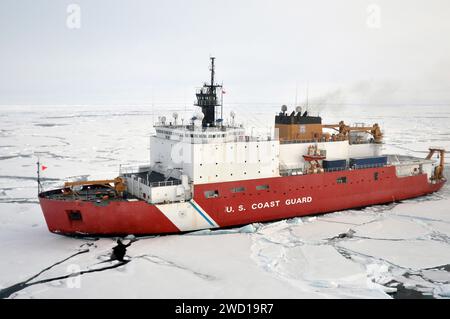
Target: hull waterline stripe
[[198, 210]]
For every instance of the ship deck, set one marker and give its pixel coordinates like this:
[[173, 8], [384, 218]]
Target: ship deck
[[103, 193], [91, 193], [153, 178]]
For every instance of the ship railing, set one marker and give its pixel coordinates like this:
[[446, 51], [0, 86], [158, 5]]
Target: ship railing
[[146, 182], [314, 140], [193, 128], [335, 169], [322, 140], [290, 172], [362, 142], [368, 166], [231, 139], [165, 183], [133, 169], [240, 139]]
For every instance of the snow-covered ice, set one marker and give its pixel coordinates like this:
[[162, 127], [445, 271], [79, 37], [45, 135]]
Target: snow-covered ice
[[366, 253]]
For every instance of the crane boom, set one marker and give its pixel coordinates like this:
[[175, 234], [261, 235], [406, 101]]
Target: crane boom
[[344, 130], [119, 184]]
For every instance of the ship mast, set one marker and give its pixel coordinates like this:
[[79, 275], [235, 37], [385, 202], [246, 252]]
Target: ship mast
[[207, 99], [212, 71]]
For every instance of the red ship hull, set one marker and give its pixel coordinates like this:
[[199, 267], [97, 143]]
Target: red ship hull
[[285, 197]]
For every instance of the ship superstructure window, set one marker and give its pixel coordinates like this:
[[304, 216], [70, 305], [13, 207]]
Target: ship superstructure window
[[341, 180], [262, 187], [238, 189], [375, 176], [212, 194]]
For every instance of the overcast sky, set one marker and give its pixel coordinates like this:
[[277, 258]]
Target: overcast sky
[[132, 52]]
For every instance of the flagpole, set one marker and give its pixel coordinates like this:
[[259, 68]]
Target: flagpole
[[38, 177]]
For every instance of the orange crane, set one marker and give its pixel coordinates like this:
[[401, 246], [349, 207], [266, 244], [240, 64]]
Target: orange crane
[[119, 184], [439, 170], [344, 130]]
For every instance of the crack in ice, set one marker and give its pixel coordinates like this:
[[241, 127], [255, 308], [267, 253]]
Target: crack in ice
[[164, 262]]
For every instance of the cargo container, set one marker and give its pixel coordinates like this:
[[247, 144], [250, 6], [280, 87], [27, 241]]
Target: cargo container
[[373, 161], [334, 164]]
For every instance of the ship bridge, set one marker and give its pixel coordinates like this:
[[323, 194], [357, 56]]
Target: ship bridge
[[198, 134]]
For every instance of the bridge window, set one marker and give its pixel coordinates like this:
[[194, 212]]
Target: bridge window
[[262, 187], [212, 194], [341, 180], [238, 189]]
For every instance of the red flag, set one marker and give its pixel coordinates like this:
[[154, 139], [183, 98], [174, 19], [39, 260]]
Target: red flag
[[44, 167]]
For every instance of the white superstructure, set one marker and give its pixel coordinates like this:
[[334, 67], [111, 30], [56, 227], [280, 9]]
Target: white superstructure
[[210, 155]]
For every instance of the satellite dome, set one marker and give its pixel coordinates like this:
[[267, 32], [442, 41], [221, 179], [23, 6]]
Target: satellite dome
[[200, 116], [283, 108]]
